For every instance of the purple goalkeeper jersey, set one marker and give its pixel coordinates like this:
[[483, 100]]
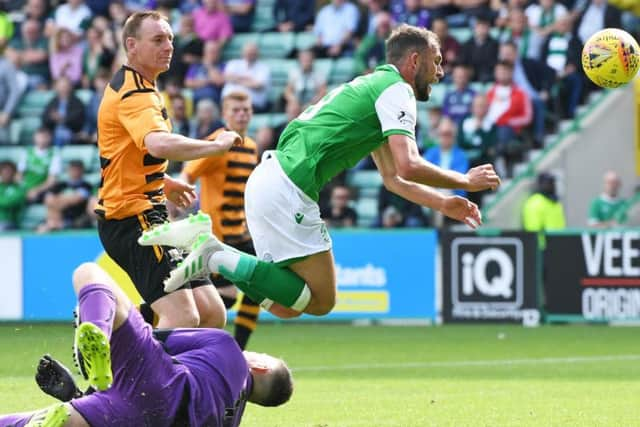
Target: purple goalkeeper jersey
[[219, 383], [151, 379]]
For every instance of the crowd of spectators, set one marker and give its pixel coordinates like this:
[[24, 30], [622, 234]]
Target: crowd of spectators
[[509, 80]]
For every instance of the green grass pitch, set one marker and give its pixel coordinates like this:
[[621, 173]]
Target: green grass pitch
[[409, 376]]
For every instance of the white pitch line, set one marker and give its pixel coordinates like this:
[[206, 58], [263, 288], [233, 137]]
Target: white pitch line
[[462, 363]]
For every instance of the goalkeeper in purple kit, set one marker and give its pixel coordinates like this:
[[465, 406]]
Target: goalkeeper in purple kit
[[180, 377]]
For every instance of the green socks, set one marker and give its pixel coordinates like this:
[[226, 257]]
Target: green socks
[[260, 280]]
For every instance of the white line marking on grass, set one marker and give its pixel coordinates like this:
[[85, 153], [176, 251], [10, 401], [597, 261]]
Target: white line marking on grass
[[463, 363]]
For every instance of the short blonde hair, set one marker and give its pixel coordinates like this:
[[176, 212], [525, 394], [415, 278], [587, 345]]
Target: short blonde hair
[[236, 95]]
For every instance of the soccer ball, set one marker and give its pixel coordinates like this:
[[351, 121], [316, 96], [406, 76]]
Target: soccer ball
[[611, 57]]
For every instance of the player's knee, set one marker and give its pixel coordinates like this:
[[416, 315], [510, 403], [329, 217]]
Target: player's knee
[[325, 308], [180, 319], [322, 306], [85, 274]]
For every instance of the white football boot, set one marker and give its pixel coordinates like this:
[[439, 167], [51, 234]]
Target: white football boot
[[180, 234]]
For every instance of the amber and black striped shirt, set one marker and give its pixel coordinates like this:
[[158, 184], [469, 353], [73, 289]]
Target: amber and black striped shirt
[[222, 180], [132, 179]]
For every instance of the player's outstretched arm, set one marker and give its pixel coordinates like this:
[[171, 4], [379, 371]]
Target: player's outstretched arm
[[171, 146], [454, 207], [412, 167]]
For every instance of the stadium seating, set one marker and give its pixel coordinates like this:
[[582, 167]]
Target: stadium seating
[[93, 178], [84, 95], [33, 216], [33, 103], [367, 209], [265, 120], [15, 154], [343, 70], [305, 40], [461, 34], [263, 16], [22, 129], [276, 45], [367, 185], [233, 48], [88, 154], [279, 69], [323, 65], [436, 98]]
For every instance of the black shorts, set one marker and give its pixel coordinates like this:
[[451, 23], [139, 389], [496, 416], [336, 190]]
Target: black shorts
[[147, 266], [247, 247]]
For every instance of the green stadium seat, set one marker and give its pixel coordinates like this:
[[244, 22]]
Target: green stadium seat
[[33, 216], [279, 69], [93, 178], [276, 119], [370, 192], [367, 209], [275, 93], [14, 131], [364, 179], [478, 87], [342, 70], [263, 17], [265, 120], [84, 95], [305, 40], [436, 98], [258, 121], [88, 154], [13, 153], [276, 45], [461, 34], [233, 48], [34, 102], [24, 129], [323, 65]]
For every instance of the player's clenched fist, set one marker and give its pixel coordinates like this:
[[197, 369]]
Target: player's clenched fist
[[229, 138], [482, 177]]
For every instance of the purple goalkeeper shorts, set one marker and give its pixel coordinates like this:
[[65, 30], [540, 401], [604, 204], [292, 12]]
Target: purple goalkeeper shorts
[[148, 385]]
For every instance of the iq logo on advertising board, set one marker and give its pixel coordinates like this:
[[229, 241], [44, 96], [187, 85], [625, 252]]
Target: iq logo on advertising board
[[486, 278]]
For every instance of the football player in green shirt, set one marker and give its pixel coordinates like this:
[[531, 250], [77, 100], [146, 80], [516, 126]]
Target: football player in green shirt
[[375, 114]]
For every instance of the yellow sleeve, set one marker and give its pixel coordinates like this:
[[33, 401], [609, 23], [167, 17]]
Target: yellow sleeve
[[140, 114]]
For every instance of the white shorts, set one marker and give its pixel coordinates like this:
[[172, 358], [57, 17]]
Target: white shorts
[[283, 221]]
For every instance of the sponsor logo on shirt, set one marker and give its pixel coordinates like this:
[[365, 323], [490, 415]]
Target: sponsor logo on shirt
[[402, 117]]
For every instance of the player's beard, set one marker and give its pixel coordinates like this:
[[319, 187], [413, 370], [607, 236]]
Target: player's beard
[[421, 84]]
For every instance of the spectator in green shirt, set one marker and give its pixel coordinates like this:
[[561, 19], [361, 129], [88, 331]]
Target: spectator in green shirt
[[371, 51], [608, 209], [12, 196], [40, 166]]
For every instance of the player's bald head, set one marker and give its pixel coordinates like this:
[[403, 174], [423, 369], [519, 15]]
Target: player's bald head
[[407, 39], [272, 381]]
